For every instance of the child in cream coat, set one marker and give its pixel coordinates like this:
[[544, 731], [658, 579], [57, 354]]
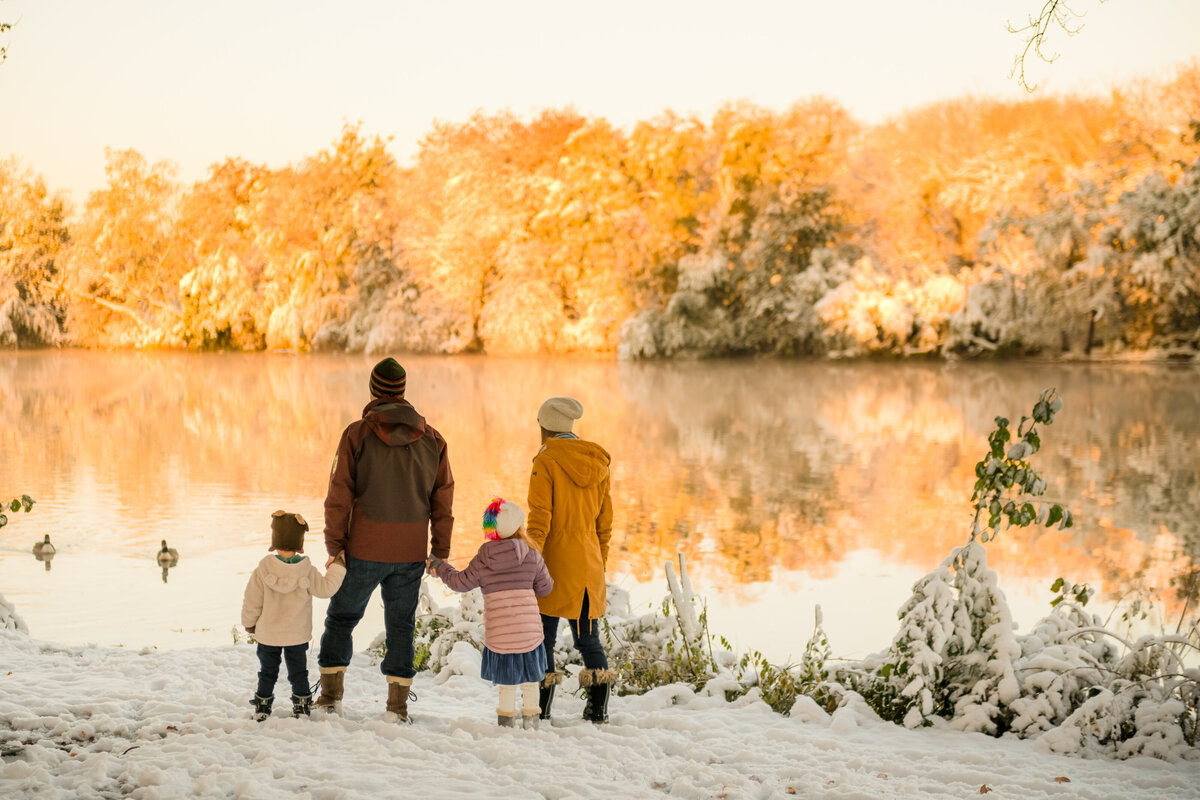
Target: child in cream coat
[[277, 609]]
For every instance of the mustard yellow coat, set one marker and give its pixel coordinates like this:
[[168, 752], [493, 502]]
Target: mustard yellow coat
[[570, 522]]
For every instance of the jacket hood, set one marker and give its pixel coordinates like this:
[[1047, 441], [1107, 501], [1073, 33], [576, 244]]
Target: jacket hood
[[503, 554], [394, 421], [585, 463], [284, 577]]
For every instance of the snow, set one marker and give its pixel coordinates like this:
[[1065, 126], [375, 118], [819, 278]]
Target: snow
[[103, 722]]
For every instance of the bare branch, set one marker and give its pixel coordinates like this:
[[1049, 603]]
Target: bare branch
[[5, 27], [1056, 13]]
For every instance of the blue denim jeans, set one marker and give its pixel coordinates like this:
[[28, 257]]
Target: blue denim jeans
[[586, 633], [296, 656], [400, 585]]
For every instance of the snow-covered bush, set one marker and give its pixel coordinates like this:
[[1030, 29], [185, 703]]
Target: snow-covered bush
[[28, 324], [10, 620], [672, 646], [438, 629]]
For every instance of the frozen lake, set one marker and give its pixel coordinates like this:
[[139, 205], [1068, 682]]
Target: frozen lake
[[785, 484]]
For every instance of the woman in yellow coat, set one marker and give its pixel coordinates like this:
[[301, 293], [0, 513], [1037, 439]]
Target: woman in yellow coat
[[570, 522]]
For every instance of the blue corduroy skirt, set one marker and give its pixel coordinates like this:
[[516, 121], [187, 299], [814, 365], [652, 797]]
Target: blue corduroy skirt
[[511, 669]]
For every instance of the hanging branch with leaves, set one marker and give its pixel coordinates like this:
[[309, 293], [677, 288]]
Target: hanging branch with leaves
[[23, 503], [1005, 477]]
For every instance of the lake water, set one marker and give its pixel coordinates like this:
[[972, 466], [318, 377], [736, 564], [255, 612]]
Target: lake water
[[784, 484]]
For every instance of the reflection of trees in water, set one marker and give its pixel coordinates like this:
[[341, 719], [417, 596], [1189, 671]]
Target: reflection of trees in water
[[794, 465], [146, 425], [745, 466], [734, 462], [161, 434]]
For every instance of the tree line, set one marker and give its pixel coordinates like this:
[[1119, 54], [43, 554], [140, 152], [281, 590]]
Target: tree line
[[1061, 224]]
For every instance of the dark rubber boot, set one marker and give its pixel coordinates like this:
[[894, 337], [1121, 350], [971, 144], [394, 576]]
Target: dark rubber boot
[[596, 683], [546, 692], [262, 707], [301, 705], [596, 708]]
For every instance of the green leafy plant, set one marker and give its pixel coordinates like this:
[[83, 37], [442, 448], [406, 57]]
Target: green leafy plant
[[1080, 593], [779, 686], [674, 646], [16, 505], [1005, 477]]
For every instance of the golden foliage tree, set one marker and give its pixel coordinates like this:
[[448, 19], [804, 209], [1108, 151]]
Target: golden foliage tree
[[33, 238], [121, 275]]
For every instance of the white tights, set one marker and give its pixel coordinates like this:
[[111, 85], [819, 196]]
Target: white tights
[[529, 699]]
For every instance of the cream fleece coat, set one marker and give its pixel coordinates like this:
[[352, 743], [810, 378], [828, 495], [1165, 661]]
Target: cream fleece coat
[[278, 600]]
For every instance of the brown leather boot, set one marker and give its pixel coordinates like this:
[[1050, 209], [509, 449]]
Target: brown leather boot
[[397, 700], [332, 688]]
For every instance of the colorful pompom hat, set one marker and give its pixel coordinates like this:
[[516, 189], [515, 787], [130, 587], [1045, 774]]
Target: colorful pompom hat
[[501, 519]]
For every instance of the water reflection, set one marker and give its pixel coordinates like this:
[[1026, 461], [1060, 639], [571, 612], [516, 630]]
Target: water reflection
[[44, 551], [755, 470], [794, 466], [167, 557]]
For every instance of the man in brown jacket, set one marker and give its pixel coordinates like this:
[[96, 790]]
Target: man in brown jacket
[[570, 522], [390, 492]]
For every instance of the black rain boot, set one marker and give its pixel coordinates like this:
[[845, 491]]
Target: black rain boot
[[596, 708], [596, 683], [301, 705], [262, 707], [546, 692]]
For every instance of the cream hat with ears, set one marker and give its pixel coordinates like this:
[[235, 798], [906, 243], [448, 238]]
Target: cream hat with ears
[[558, 414]]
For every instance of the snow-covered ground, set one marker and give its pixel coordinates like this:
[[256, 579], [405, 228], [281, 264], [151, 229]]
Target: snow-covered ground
[[111, 722]]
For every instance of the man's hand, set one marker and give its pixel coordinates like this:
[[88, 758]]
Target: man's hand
[[339, 557]]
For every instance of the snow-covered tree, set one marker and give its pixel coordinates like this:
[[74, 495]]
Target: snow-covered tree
[[33, 239]]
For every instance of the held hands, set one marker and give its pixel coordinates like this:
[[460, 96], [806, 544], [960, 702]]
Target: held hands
[[431, 565], [340, 557]]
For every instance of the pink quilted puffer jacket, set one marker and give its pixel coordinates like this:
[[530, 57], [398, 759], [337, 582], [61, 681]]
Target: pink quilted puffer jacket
[[512, 576]]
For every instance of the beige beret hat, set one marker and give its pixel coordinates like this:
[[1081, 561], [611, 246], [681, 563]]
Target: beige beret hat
[[558, 414]]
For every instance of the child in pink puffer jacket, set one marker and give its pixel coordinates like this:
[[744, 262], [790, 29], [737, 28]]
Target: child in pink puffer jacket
[[512, 576]]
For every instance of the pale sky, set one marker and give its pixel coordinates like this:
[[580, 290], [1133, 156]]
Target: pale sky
[[273, 81]]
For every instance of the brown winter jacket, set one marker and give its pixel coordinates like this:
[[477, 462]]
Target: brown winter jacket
[[570, 522], [509, 574], [277, 604], [390, 484]]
